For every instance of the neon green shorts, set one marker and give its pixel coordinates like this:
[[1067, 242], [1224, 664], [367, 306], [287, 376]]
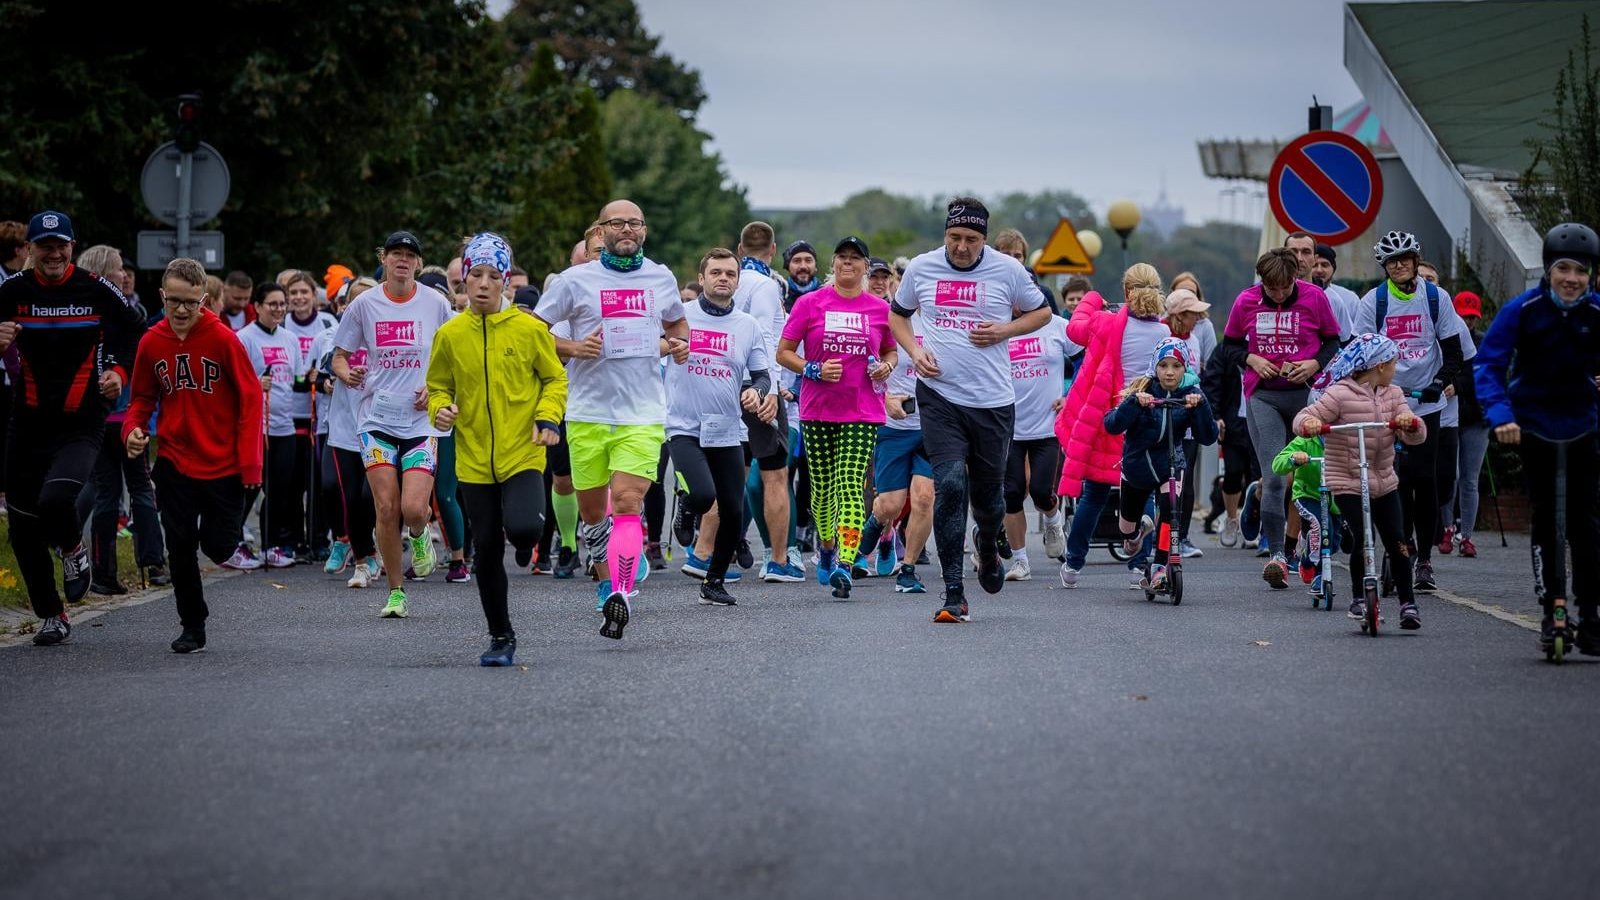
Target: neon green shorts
[[597, 450]]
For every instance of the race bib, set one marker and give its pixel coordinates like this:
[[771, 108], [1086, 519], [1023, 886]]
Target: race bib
[[392, 409], [719, 431], [628, 328]]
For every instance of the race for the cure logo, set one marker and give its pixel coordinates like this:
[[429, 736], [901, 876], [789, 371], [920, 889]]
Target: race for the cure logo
[[395, 334], [358, 358], [1277, 323], [277, 362], [618, 304], [1024, 349], [956, 293], [1400, 328], [838, 322], [715, 343], [305, 345]]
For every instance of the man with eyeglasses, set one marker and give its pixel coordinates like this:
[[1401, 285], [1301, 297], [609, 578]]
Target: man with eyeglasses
[[193, 366], [75, 336], [618, 308]]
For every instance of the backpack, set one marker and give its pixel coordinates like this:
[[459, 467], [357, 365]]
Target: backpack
[[1432, 291]]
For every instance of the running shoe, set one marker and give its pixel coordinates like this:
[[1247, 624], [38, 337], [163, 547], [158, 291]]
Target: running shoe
[[157, 576], [774, 573], [1055, 540], [1410, 618], [954, 610], [76, 573], [1308, 570], [616, 611], [683, 522], [693, 566], [396, 607], [1316, 587], [922, 558], [1250, 514], [1589, 636], [52, 631], [1230, 532], [652, 555], [886, 558], [827, 561], [279, 558], [1069, 576], [458, 573], [1447, 544], [1276, 573], [1002, 544], [1132, 543], [713, 593], [423, 559], [907, 582], [566, 562], [1135, 579], [796, 560], [643, 574], [1358, 609], [193, 640], [743, 556], [107, 588], [244, 559], [859, 570], [841, 583], [540, 566], [360, 576], [1424, 579], [602, 590], [1019, 570], [1189, 551], [338, 558], [502, 652], [990, 578], [1468, 548], [1263, 551]]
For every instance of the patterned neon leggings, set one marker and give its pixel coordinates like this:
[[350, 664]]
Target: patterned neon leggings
[[838, 453]]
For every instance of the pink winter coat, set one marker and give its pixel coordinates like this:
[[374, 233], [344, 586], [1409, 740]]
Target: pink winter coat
[[1348, 401], [1080, 426]]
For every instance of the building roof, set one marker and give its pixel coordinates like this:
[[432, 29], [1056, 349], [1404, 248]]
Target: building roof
[[1481, 74]]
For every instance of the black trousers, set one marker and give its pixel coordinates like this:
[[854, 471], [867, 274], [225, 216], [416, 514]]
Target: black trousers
[[359, 516], [512, 509], [968, 449], [1539, 469], [1191, 457], [1418, 468], [313, 500], [1033, 469], [101, 501], [281, 511], [50, 459], [713, 475], [1133, 500], [655, 501], [1389, 522], [197, 515]]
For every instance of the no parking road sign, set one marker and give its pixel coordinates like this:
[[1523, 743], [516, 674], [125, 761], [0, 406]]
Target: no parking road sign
[[1327, 184]]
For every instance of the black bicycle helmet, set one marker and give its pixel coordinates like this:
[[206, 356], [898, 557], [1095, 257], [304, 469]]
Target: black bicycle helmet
[[1396, 244], [1570, 240]]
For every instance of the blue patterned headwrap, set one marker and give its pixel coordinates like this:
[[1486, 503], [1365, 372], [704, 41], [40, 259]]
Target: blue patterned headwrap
[[1174, 347], [1366, 351], [487, 249]]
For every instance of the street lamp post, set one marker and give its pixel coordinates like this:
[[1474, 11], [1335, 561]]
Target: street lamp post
[[1123, 217]]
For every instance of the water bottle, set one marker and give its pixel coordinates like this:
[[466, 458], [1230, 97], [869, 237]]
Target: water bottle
[[878, 387]]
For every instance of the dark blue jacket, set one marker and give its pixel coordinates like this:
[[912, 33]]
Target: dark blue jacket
[[1144, 442], [1537, 364]]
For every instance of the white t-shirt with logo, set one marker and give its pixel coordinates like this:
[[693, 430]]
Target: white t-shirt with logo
[[398, 338], [951, 303], [723, 351], [903, 380], [307, 334], [1409, 325], [1139, 340], [761, 298], [344, 407], [317, 361], [628, 308], [279, 353], [1038, 368]]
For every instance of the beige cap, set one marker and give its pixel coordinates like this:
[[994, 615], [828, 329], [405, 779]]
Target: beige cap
[[1184, 300]]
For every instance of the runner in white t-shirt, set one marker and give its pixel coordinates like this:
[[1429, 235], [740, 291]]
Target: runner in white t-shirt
[[1342, 299], [395, 323], [1038, 370], [275, 354], [618, 308], [971, 303]]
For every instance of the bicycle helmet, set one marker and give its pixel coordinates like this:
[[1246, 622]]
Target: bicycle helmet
[[1570, 240], [1396, 244]]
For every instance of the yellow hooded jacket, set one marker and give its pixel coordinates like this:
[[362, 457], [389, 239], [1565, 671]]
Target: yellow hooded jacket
[[502, 373]]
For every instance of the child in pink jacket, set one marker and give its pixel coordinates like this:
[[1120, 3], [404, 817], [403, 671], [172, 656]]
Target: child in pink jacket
[[1356, 387]]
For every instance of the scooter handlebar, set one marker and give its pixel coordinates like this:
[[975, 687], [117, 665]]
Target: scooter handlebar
[[1361, 426]]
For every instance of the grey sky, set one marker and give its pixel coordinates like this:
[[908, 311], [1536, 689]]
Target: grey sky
[[811, 103]]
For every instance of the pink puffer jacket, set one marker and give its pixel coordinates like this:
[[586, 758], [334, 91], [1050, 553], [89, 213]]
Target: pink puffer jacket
[[1080, 426], [1348, 401]]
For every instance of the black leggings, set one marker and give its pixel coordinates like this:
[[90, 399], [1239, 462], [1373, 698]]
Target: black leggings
[[1389, 522], [1539, 466], [49, 461], [713, 475], [513, 509], [359, 517], [196, 515], [655, 501], [1191, 455], [1131, 504], [1238, 464], [1445, 476], [1417, 465], [1033, 469], [281, 510]]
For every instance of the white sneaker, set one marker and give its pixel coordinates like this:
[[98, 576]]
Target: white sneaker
[[1069, 576], [243, 559], [1055, 540], [277, 559], [361, 577], [1230, 532], [1019, 570], [796, 558], [1135, 579]]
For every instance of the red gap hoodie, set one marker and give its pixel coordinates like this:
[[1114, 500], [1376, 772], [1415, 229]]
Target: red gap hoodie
[[210, 400]]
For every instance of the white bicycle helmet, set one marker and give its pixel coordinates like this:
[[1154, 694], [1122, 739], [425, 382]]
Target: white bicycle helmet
[[1394, 244]]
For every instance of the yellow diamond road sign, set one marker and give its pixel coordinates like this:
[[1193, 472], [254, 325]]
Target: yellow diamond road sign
[[1062, 254]]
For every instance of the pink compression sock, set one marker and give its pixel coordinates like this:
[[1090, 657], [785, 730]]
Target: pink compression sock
[[622, 553]]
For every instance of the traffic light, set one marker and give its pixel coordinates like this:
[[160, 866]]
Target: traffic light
[[187, 136]]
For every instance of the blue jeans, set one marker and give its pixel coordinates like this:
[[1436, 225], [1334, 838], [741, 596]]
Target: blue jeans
[[1090, 504]]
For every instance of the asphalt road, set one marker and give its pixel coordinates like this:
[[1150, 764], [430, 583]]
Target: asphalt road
[[1063, 743]]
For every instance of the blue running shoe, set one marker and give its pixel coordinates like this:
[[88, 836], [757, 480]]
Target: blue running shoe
[[603, 589], [776, 572], [502, 652], [644, 570], [886, 559], [841, 583], [338, 558], [693, 566], [827, 561], [907, 581]]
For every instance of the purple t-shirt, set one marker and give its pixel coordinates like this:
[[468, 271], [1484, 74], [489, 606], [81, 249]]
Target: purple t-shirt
[[828, 326], [1281, 334]]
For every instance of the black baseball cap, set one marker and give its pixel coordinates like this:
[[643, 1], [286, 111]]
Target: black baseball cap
[[878, 264], [436, 281], [854, 243], [50, 224], [403, 239], [526, 296]]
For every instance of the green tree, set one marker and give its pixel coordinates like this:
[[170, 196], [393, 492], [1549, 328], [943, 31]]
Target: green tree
[[1559, 184], [659, 161], [1036, 215], [603, 44]]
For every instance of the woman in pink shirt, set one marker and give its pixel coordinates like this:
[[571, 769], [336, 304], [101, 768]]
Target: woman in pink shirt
[[849, 354]]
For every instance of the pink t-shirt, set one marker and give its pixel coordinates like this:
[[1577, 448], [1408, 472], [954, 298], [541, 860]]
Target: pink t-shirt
[[828, 326], [1281, 333]]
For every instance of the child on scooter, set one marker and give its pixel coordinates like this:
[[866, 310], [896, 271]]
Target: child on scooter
[[1357, 387], [1145, 462], [1297, 457]]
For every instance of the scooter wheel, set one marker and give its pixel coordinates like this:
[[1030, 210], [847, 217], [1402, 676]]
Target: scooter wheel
[[1558, 650], [1175, 584]]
